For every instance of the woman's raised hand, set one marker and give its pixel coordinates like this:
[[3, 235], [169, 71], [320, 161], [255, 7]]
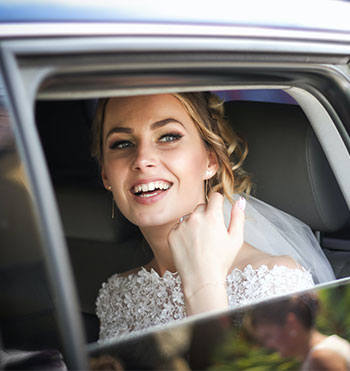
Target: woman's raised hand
[[204, 249]]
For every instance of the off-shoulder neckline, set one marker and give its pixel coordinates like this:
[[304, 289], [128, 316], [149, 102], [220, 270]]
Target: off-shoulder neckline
[[167, 273]]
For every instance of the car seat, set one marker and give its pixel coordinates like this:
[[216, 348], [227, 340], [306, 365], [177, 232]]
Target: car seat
[[26, 303], [290, 170]]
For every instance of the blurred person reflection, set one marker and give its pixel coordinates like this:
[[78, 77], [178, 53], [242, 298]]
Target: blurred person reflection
[[289, 328]]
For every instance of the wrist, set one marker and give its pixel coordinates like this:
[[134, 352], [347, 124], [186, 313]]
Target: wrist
[[191, 282], [209, 296], [205, 286]]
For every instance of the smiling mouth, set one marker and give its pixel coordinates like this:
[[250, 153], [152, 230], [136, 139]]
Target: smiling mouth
[[150, 189]]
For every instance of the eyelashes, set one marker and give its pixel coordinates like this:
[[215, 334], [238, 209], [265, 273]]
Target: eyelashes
[[121, 144], [126, 144], [170, 137]]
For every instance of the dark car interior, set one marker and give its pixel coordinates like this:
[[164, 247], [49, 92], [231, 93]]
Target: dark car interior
[[288, 167]]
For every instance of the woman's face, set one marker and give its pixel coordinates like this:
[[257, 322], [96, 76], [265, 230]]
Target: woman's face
[[154, 159]]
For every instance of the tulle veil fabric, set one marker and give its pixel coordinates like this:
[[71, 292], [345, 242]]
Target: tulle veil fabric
[[278, 233]]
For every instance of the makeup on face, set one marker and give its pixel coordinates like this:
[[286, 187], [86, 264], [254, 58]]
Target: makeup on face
[[154, 158]]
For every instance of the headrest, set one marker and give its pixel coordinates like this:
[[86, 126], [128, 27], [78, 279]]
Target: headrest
[[64, 127], [288, 166], [17, 223]]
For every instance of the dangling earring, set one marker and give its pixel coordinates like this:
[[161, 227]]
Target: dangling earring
[[208, 173], [113, 203], [206, 190]]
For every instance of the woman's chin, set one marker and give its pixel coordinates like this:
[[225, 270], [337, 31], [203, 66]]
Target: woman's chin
[[155, 221]]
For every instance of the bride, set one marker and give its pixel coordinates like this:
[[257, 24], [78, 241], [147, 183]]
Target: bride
[[174, 169]]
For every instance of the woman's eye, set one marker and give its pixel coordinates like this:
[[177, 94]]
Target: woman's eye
[[121, 144], [170, 137]]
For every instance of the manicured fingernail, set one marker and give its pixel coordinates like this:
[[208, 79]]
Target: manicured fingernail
[[241, 203]]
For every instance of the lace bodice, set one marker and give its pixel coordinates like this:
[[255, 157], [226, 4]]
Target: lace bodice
[[144, 299]]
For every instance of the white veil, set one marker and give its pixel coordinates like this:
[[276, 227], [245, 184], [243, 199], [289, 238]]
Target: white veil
[[278, 233]]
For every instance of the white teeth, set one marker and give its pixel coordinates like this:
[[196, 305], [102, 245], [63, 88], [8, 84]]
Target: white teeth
[[147, 195], [151, 186]]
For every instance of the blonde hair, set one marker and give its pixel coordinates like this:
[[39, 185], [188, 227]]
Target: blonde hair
[[207, 113]]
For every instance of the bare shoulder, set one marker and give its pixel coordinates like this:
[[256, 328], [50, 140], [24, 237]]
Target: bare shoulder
[[256, 258], [132, 271], [327, 359], [129, 272], [282, 260]]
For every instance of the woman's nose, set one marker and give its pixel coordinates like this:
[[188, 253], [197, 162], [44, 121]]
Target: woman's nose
[[145, 157]]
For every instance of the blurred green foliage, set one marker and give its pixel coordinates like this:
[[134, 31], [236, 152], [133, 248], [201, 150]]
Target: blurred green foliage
[[334, 314], [241, 352]]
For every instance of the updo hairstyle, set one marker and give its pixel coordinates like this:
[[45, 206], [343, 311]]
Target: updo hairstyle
[[207, 113]]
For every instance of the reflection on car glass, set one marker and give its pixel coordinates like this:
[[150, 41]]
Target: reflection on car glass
[[272, 334], [289, 327]]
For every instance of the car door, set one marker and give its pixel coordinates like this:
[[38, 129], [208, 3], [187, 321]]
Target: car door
[[54, 72]]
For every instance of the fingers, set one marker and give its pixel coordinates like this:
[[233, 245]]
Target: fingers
[[237, 218], [214, 208]]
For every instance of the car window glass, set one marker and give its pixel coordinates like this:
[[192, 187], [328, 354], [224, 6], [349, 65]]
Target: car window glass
[[257, 336]]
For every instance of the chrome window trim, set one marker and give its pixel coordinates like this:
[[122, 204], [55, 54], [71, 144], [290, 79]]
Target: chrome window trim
[[54, 29], [210, 37]]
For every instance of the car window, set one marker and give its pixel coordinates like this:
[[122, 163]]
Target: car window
[[98, 245]]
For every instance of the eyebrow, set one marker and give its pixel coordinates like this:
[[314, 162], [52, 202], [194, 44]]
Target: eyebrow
[[155, 125]]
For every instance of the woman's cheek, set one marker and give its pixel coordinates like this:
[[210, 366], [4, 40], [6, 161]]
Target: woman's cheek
[[189, 161]]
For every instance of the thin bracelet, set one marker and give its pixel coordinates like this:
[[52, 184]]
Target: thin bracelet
[[205, 285]]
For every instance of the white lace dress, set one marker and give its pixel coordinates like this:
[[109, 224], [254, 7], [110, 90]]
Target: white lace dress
[[144, 299]]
